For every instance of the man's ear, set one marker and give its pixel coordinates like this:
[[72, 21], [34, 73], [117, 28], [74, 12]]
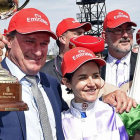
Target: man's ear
[[103, 34], [9, 44], [66, 82]]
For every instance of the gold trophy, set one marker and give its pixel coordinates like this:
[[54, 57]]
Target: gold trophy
[[10, 88]]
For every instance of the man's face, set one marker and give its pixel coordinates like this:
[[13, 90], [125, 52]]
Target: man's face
[[119, 43], [71, 34], [29, 51]]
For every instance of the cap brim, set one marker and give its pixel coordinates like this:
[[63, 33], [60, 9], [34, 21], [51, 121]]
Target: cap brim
[[86, 26], [116, 24], [99, 61], [32, 30]]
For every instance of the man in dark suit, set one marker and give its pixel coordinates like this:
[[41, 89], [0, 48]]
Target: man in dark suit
[[28, 37], [120, 61]]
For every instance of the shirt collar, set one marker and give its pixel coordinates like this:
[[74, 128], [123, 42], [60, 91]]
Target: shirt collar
[[76, 108], [112, 60], [15, 70]]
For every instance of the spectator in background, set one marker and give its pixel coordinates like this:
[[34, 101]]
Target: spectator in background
[[120, 61]]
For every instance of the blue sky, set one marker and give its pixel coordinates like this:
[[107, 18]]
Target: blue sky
[[56, 10]]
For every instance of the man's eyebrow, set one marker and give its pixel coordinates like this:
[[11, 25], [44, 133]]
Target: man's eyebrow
[[27, 37]]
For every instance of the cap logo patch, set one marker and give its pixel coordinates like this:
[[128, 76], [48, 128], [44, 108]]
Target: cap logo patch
[[37, 18], [81, 53], [120, 15]]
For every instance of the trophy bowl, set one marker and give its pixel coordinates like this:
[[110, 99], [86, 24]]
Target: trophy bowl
[[9, 7], [10, 88]]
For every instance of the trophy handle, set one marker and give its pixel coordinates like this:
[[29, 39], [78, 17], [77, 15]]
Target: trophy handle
[[25, 3]]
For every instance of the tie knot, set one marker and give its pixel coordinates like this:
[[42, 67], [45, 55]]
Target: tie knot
[[31, 79], [118, 61]]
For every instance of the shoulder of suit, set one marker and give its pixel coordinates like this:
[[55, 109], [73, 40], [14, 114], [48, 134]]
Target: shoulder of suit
[[42, 75], [47, 66], [50, 62]]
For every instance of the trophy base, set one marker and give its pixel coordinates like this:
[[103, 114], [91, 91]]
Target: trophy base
[[11, 97], [18, 106]]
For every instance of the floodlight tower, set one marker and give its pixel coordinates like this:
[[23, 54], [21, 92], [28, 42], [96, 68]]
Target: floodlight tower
[[93, 11]]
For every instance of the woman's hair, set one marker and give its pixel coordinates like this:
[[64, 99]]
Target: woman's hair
[[69, 78]]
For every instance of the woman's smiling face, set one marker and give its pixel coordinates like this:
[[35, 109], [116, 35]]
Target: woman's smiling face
[[86, 82]]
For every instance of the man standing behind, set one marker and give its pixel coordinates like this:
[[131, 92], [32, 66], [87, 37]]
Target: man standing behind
[[120, 62], [28, 37], [66, 29], [118, 34]]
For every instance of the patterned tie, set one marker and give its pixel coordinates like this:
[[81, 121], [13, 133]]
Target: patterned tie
[[43, 114], [119, 73]]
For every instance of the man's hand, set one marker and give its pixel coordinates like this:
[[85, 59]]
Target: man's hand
[[120, 100], [3, 41]]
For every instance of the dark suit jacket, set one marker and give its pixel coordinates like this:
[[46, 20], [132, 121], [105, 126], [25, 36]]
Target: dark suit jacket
[[13, 125], [53, 68], [133, 59]]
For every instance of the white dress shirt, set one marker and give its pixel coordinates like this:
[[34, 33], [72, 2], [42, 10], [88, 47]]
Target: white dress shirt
[[111, 68], [33, 126]]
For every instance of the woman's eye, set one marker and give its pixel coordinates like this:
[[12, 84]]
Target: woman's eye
[[82, 78], [96, 76]]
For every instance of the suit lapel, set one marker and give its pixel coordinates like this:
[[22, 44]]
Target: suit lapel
[[50, 93], [133, 59]]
